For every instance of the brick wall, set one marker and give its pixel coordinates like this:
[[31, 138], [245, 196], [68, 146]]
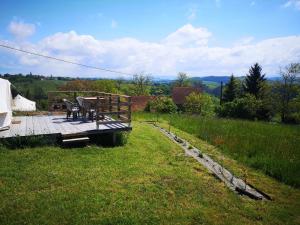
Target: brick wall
[[140, 102]]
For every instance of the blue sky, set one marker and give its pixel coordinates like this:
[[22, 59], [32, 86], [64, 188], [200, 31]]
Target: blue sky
[[204, 37]]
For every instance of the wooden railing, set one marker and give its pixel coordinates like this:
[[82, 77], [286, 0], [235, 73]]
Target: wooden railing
[[109, 108]]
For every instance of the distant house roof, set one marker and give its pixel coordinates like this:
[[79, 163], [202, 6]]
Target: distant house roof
[[179, 93]]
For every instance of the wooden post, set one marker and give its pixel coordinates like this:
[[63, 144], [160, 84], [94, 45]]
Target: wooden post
[[97, 112], [118, 106], [110, 105], [75, 96], [129, 109]]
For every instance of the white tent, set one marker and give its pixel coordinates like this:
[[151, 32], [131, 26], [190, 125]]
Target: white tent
[[5, 104], [23, 104]]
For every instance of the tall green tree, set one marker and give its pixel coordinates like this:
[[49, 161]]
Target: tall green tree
[[288, 90], [201, 104], [182, 80], [255, 81], [231, 91], [141, 84]]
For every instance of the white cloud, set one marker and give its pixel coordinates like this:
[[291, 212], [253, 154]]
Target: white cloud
[[188, 35], [292, 3], [184, 50], [252, 3], [244, 41], [20, 29], [113, 24]]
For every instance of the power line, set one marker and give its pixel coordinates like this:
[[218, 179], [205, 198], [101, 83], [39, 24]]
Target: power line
[[62, 60]]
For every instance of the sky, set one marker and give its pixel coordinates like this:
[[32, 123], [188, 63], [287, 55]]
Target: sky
[[157, 37]]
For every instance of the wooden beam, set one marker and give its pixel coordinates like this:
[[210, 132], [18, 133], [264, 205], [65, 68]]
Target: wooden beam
[[99, 122]]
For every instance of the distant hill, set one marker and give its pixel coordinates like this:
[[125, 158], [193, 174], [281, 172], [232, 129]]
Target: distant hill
[[216, 79], [225, 79]]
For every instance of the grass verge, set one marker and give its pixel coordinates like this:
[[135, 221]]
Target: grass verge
[[271, 148], [147, 181]]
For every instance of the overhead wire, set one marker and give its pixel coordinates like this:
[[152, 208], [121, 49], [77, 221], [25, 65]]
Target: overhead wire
[[65, 61]]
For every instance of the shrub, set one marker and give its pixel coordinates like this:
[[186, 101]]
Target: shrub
[[247, 107], [162, 105], [199, 104], [122, 138], [293, 115]]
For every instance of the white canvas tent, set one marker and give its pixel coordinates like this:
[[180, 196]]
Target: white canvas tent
[[23, 104], [5, 104]]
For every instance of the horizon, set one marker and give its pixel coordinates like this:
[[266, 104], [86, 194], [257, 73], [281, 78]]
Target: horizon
[[153, 78], [201, 38]]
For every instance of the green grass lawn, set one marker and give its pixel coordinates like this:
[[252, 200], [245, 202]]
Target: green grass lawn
[[272, 148], [148, 181]]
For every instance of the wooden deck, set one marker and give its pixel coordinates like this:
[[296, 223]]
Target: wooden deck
[[59, 125]]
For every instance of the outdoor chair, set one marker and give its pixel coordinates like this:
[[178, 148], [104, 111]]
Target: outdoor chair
[[86, 107], [72, 109]]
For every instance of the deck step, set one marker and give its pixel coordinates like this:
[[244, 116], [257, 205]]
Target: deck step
[[76, 140], [74, 135]]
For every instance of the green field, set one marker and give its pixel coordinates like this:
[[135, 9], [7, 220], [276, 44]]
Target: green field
[[35, 85], [211, 84], [148, 181], [272, 148], [36, 90]]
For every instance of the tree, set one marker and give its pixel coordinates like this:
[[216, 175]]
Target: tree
[[199, 104], [231, 90], [39, 93], [141, 84], [198, 84], [28, 94], [254, 81], [76, 85], [162, 104], [182, 80], [288, 89], [245, 107], [108, 86], [119, 82]]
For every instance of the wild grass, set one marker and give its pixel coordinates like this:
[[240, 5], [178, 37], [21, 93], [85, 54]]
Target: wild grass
[[271, 148], [147, 181]]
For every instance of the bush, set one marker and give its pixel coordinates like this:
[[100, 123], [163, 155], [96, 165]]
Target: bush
[[293, 115], [162, 105], [247, 107], [201, 104], [122, 138]]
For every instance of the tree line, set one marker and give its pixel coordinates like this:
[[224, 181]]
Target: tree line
[[255, 98], [252, 98]]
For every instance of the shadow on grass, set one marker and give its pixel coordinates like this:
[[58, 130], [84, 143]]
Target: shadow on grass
[[20, 142], [103, 140]]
